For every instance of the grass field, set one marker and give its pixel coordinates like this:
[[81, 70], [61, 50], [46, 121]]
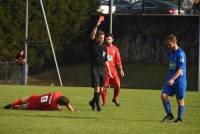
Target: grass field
[[140, 113]]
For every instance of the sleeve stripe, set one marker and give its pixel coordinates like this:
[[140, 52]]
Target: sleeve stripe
[[50, 99]]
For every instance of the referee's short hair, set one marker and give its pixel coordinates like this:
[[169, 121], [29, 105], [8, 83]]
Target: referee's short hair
[[99, 32]]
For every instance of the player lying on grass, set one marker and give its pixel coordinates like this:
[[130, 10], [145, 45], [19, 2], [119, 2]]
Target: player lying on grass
[[49, 101]]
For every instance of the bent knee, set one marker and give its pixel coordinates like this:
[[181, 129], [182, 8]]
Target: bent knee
[[117, 86], [164, 96], [181, 102]]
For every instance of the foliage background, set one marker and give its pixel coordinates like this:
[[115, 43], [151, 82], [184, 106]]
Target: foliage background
[[140, 40]]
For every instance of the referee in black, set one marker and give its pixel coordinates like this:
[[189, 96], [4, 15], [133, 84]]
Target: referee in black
[[99, 64]]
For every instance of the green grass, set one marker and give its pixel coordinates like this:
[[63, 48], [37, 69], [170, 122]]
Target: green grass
[[140, 113]]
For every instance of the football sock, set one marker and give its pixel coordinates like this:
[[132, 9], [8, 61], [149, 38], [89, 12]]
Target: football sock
[[116, 93], [104, 96], [17, 102], [93, 100], [181, 109], [96, 96], [166, 105]]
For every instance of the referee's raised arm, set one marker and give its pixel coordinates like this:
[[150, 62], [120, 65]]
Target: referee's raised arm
[[94, 30]]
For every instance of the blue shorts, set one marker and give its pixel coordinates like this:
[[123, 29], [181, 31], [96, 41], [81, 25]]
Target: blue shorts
[[178, 90]]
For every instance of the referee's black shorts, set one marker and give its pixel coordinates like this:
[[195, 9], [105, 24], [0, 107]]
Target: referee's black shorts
[[98, 76]]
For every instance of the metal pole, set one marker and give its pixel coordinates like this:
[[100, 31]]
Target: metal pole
[[110, 14], [143, 9], [51, 42], [179, 6], [26, 39], [199, 56]]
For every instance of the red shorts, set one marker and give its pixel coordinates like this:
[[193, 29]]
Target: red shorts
[[113, 82], [33, 102]]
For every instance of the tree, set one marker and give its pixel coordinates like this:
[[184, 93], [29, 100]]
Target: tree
[[66, 20]]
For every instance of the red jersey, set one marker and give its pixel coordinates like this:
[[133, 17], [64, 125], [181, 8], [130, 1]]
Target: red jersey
[[20, 57], [44, 102], [113, 58]]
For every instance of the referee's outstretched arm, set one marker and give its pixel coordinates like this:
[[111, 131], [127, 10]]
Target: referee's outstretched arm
[[94, 30]]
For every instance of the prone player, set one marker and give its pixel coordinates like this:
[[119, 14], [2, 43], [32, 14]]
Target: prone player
[[49, 101]]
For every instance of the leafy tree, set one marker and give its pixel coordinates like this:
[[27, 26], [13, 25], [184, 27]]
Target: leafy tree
[[66, 19]]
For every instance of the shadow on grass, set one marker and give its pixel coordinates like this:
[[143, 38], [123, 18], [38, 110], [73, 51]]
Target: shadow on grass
[[70, 117], [79, 117], [137, 120], [51, 116]]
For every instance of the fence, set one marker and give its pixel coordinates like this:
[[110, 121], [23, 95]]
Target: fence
[[10, 72]]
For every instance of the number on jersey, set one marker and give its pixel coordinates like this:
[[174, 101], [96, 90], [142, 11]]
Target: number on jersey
[[44, 99]]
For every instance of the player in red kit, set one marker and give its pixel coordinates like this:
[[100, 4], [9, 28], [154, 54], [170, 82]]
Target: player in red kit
[[20, 58], [113, 60], [49, 101]]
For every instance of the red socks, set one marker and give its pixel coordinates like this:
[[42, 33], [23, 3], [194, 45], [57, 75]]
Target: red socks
[[17, 102], [116, 93], [104, 98], [115, 96]]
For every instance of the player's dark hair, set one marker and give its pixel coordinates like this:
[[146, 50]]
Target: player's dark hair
[[110, 35], [63, 100], [20, 50]]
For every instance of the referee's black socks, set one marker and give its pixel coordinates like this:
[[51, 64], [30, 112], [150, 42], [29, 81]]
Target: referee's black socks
[[96, 96]]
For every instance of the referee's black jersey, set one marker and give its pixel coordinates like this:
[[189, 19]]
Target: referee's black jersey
[[98, 54]]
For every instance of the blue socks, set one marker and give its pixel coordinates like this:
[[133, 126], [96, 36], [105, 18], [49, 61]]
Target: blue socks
[[181, 109], [167, 107]]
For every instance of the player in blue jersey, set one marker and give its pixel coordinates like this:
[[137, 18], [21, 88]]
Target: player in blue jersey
[[176, 82]]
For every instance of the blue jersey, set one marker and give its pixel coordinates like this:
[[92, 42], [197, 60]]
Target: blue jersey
[[177, 60]]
